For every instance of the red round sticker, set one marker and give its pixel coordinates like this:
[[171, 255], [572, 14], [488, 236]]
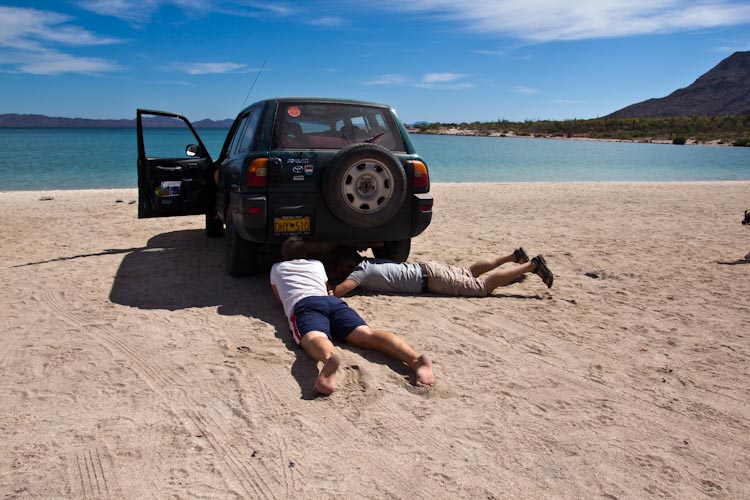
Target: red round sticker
[[294, 111]]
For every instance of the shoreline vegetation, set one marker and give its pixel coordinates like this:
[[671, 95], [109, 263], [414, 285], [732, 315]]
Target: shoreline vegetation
[[730, 130]]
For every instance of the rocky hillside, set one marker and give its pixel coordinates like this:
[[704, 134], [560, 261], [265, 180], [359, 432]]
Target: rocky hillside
[[724, 90]]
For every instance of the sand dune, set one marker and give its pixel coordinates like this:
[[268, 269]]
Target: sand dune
[[133, 367]]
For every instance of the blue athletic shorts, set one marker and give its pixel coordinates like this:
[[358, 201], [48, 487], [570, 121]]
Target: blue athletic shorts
[[328, 314]]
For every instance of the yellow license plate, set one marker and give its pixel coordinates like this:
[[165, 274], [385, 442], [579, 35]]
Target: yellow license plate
[[291, 225]]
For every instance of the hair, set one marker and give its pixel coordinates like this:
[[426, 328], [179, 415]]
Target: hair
[[340, 263], [293, 248], [345, 256]]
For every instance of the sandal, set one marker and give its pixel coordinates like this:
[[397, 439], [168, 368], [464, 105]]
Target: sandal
[[543, 271], [520, 256]]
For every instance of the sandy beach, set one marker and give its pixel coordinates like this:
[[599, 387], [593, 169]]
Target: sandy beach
[[133, 367]]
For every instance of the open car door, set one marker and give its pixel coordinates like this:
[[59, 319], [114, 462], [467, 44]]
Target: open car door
[[175, 171]]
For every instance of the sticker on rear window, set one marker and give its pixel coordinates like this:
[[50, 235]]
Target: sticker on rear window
[[294, 111]]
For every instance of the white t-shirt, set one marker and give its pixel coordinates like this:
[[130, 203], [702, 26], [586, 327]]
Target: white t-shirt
[[297, 279]]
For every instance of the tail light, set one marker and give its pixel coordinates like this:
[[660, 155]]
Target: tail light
[[421, 176], [257, 173]]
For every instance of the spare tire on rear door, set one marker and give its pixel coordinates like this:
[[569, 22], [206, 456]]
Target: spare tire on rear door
[[364, 185]]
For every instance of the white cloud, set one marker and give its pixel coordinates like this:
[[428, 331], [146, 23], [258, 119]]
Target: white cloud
[[55, 64], [444, 81], [208, 68], [171, 83], [498, 53], [30, 28], [30, 41], [547, 20], [141, 11], [128, 10], [327, 21], [277, 8], [441, 77], [450, 86], [525, 90], [389, 79]]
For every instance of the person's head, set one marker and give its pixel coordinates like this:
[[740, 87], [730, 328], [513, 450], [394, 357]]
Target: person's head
[[344, 259], [293, 248]]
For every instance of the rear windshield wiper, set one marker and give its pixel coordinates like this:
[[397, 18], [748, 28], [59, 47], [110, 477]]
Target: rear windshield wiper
[[374, 137]]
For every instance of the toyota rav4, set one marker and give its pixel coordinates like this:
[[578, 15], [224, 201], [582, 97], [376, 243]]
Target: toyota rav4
[[336, 172]]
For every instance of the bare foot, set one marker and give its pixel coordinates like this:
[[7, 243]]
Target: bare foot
[[423, 369], [325, 384]]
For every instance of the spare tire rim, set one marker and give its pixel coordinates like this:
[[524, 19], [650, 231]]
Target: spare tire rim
[[367, 186]]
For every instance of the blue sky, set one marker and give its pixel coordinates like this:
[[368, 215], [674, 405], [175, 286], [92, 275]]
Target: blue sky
[[434, 60]]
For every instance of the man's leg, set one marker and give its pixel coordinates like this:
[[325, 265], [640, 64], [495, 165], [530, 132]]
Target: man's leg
[[482, 266], [317, 345], [505, 277], [392, 345]]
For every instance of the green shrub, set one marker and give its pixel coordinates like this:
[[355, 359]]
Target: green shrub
[[741, 143], [679, 140]]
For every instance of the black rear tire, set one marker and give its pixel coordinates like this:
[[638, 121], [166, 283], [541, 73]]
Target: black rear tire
[[240, 255], [393, 250]]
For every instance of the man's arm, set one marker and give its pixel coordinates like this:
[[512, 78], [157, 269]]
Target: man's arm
[[345, 287], [276, 292]]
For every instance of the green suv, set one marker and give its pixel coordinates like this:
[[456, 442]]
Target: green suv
[[336, 172]]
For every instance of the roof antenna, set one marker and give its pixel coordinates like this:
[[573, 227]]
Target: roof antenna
[[253, 85]]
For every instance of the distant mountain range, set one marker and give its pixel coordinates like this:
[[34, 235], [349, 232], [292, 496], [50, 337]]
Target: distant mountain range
[[41, 121], [724, 90]]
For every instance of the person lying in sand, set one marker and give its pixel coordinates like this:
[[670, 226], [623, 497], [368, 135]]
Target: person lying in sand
[[385, 276], [316, 318]]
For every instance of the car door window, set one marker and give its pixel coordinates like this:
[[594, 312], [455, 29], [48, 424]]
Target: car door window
[[237, 137], [248, 135], [166, 137]]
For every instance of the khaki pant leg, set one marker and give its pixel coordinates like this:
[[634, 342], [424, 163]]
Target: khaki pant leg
[[453, 280]]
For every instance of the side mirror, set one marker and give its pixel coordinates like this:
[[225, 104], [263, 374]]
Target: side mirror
[[191, 150]]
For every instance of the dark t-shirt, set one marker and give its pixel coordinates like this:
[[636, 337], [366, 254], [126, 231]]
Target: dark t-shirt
[[387, 276]]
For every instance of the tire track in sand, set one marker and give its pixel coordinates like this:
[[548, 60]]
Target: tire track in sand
[[171, 392], [92, 476]]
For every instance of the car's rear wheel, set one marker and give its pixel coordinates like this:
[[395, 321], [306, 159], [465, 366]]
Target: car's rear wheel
[[240, 255], [393, 250], [364, 185]]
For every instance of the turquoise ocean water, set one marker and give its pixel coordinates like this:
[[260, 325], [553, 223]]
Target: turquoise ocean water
[[43, 159]]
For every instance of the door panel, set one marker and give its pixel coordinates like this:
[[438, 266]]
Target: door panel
[[175, 171]]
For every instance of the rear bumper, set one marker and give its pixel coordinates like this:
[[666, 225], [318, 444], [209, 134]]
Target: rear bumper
[[421, 209], [253, 216]]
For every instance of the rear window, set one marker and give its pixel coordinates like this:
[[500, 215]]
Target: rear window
[[334, 126]]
